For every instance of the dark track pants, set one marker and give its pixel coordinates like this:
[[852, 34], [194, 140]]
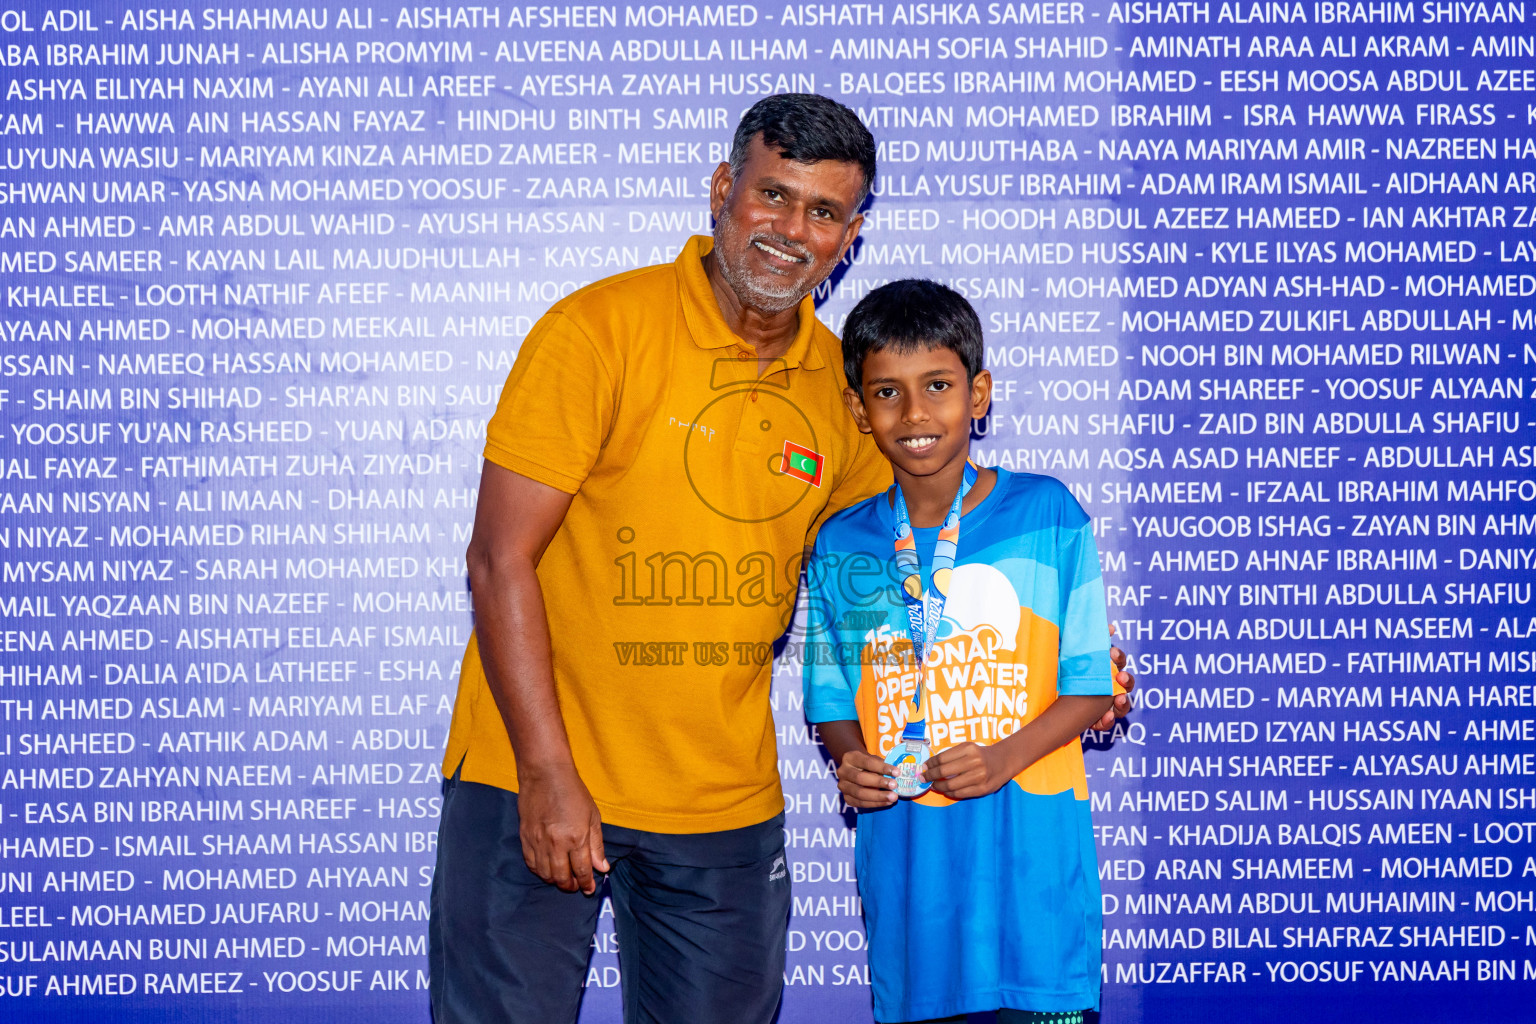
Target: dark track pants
[[700, 922]]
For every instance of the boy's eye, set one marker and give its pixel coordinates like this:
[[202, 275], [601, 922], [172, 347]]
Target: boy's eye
[[885, 392], [939, 385]]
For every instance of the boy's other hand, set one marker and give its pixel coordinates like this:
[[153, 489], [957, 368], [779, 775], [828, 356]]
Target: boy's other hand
[[866, 781], [1122, 705], [969, 770]]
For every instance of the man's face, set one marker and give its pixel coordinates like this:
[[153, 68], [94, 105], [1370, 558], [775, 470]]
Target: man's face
[[781, 226]]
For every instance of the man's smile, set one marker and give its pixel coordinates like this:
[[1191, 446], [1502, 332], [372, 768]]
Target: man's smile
[[777, 253]]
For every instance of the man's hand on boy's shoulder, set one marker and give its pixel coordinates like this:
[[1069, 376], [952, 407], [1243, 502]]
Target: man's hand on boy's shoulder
[[1122, 705]]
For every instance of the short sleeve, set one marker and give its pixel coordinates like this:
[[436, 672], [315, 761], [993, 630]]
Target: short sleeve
[[556, 408], [1084, 668], [830, 674]]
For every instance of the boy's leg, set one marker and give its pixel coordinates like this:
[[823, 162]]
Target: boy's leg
[[505, 945], [701, 920]]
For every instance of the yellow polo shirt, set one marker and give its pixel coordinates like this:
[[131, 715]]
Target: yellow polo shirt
[[678, 561]]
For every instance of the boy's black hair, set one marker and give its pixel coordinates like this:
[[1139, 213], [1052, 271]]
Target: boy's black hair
[[909, 315], [807, 128]]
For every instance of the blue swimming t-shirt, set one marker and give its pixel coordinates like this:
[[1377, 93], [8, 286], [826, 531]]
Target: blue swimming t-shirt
[[992, 902]]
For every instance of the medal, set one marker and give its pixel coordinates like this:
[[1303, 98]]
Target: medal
[[925, 608], [906, 756]]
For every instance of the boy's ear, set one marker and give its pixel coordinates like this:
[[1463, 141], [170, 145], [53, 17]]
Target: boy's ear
[[981, 394], [855, 403]]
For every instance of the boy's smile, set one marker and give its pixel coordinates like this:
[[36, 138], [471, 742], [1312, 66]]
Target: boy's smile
[[918, 444], [918, 407]]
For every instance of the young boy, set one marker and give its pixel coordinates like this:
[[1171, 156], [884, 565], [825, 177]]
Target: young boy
[[982, 892]]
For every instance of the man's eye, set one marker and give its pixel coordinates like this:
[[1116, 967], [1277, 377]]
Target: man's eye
[[769, 193], [822, 213], [939, 385]]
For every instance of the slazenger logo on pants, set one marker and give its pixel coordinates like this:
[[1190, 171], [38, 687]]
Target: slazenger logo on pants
[[778, 870]]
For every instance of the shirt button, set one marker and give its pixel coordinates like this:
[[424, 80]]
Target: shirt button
[[741, 355]]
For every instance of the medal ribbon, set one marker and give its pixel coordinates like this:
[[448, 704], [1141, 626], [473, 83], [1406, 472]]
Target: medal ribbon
[[925, 605]]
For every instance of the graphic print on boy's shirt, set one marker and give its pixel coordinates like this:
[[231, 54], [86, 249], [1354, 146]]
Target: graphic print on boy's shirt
[[1023, 622], [978, 687]]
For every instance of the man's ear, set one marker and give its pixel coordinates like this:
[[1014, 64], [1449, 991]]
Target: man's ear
[[981, 394], [850, 233], [855, 404], [719, 188]]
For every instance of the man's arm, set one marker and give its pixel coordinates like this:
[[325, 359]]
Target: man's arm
[[515, 519], [974, 769]]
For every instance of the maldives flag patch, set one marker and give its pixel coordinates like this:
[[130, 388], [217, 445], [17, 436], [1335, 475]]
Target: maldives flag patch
[[802, 464]]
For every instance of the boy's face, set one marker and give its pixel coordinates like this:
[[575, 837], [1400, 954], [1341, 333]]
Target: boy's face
[[918, 406]]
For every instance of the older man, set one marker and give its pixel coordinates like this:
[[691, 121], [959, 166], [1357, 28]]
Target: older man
[[666, 443]]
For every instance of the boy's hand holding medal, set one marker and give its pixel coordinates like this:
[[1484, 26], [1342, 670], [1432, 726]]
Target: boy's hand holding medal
[[866, 781], [969, 770]]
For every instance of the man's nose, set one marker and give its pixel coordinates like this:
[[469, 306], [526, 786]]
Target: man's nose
[[792, 222]]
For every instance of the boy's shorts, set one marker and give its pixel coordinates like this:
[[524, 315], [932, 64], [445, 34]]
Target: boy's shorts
[[700, 921]]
